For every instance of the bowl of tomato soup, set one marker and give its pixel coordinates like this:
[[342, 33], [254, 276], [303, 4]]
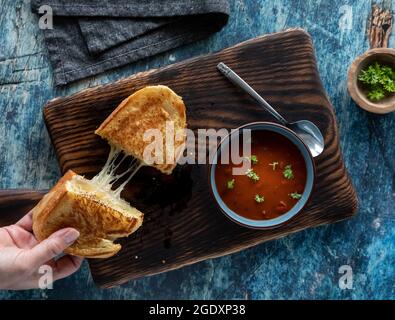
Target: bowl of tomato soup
[[271, 184]]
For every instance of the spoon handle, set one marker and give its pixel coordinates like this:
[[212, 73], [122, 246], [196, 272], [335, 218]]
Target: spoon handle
[[239, 82]]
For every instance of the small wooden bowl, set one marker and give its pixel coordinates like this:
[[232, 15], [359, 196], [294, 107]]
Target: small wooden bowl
[[355, 87]]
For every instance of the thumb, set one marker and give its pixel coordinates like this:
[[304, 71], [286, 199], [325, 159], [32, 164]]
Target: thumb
[[52, 247]]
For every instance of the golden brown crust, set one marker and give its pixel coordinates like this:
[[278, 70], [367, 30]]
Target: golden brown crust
[[48, 204], [99, 224], [149, 108]]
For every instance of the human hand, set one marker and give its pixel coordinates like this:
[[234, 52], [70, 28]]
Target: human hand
[[21, 255]]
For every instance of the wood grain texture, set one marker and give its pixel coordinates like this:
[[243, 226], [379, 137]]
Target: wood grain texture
[[182, 224], [380, 27], [14, 204]]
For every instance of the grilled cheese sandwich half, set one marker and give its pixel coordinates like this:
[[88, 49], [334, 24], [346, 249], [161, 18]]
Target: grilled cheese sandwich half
[[153, 107], [92, 206], [100, 216]]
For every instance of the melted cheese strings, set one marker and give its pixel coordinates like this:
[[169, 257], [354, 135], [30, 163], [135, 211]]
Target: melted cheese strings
[[107, 177]]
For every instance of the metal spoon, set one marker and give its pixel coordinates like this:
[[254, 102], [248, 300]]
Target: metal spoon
[[306, 130]]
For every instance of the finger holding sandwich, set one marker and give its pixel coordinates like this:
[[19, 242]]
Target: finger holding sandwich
[[23, 257]]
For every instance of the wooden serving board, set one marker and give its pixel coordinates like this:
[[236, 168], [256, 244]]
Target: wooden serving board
[[182, 224]]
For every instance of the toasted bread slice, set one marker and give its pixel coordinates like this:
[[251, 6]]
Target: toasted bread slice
[[149, 108], [100, 217]]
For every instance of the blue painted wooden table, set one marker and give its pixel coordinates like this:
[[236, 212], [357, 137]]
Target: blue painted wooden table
[[302, 266]]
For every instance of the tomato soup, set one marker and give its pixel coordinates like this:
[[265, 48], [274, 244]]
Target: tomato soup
[[273, 185]]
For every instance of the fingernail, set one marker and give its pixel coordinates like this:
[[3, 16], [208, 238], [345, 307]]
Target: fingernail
[[70, 236]]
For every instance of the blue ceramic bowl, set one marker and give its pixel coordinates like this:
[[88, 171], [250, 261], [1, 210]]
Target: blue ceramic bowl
[[310, 169]]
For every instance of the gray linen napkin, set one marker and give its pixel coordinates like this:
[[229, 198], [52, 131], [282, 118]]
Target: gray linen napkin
[[92, 36]]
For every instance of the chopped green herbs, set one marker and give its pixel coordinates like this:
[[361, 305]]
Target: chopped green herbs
[[259, 198], [380, 80], [252, 175], [295, 196], [376, 94], [288, 173], [231, 184], [253, 159], [274, 165]]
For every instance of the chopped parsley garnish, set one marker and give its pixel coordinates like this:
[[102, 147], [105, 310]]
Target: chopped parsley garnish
[[252, 175], [253, 159], [288, 173], [274, 165], [259, 198], [376, 94], [295, 195], [380, 80], [231, 184]]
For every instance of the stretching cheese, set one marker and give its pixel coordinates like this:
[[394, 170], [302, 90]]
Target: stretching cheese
[[108, 176]]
